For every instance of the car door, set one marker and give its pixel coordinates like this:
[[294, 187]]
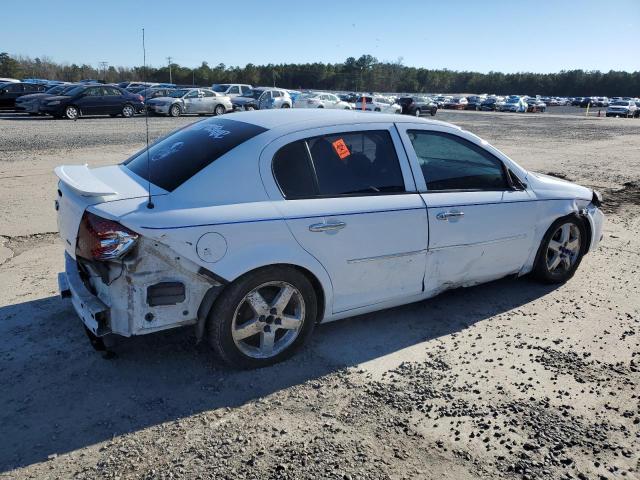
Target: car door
[[349, 199], [233, 91], [112, 101], [191, 102], [265, 101], [209, 101], [9, 94], [91, 101], [481, 216]]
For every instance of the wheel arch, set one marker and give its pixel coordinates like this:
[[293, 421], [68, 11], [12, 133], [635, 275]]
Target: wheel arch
[[217, 292]]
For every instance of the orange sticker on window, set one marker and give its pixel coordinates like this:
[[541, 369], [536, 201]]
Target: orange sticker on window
[[341, 148]]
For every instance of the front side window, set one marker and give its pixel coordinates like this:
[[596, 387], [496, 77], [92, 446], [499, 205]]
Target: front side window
[[192, 94], [351, 163], [234, 90], [450, 163]]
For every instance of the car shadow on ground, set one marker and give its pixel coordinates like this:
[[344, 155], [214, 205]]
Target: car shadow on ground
[[59, 395]]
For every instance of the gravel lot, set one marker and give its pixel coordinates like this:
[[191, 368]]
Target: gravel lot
[[507, 380]]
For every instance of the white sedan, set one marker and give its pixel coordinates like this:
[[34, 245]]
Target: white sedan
[[260, 225], [320, 100], [377, 104]]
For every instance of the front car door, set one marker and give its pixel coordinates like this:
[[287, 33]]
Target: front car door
[[350, 200], [191, 102], [481, 217], [91, 101], [9, 94]]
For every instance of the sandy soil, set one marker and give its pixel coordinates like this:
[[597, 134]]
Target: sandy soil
[[507, 380]]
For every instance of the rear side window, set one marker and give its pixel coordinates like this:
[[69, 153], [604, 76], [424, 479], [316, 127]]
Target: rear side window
[[449, 162], [175, 159], [353, 163]]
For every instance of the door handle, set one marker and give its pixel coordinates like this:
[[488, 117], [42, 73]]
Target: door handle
[[446, 215], [327, 226]]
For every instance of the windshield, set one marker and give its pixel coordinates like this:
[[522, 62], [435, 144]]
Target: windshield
[[513, 100], [56, 89], [220, 88], [175, 159], [622, 104], [181, 92]]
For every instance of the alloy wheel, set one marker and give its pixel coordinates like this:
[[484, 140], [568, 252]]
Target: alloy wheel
[[71, 113], [127, 111], [564, 247], [268, 319]]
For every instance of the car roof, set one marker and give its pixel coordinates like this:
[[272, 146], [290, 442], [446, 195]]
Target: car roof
[[302, 119]]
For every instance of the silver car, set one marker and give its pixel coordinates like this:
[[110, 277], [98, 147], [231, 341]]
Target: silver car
[[180, 101]]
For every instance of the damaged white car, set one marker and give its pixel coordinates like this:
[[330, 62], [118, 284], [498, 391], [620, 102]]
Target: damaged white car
[[263, 224]]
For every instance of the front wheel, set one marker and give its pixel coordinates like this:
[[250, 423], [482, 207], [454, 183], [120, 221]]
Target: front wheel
[[262, 317], [286, 105], [417, 112], [433, 112], [561, 251], [175, 111], [72, 112]]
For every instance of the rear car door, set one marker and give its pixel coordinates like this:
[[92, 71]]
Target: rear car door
[[209, 101], [481, 217], [112, 101], [349, 199], [191, 102]]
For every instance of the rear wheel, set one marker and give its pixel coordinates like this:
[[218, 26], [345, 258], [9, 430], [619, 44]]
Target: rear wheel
[[128, 111], [262, 317], [219, 110], [433, 111], [561, 251], [175, 111], [72, 112], [417, 112]]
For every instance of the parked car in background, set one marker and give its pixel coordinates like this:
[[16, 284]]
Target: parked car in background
[[601, 102], [153, 92], [377, 104], [474, 102], [31, 103], [181, 101], [10, 91], [456, 103], [84, 100], [514, 104], [354, 213], [417, 106], [588, 102], [231, 89], [320, 100], [535, 105], [489, 104], [262, 98], [623, 108], [441, 100]]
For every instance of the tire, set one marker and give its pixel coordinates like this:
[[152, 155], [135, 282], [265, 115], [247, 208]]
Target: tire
[[175, 110], [433, 112], [71, 112], [249, 346], [285, 105], [377, 110], [561, 250], [128, 111], [219, 110], [417, 112]]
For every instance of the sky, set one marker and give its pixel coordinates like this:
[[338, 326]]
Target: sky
[[477, 35]]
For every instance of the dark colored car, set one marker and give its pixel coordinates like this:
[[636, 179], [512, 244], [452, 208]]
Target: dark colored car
[[417, 106], [475, 102], [489, 104], [9, 92], [93, 100], [31, 103]]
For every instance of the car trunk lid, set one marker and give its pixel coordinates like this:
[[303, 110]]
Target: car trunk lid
[[80, 186]]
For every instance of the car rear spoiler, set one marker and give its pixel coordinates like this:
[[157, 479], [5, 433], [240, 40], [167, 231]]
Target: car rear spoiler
[[82, 180]]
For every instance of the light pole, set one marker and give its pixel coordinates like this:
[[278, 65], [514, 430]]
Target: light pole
[[169, 59]]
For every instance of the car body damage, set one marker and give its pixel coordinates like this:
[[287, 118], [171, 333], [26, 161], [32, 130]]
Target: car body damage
[[410, 224]]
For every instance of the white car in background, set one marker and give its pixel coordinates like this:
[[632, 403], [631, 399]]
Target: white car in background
[[377, 103], [231, 89], [320, 100], [260, 225]]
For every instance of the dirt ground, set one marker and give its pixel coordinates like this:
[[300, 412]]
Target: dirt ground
[[511, 379]]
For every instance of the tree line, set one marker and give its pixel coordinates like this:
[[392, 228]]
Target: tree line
[[362, 74]]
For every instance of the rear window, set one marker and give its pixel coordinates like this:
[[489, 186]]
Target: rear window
[[175, 159]]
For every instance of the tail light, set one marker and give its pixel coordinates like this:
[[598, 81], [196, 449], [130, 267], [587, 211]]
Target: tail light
[[102, 239]]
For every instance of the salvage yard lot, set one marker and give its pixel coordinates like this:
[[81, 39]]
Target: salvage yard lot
[[510, 379]]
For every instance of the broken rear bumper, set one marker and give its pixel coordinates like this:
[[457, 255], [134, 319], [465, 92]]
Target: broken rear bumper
[[91, 310]]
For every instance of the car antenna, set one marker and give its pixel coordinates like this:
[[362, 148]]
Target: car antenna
[[150, 204]]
